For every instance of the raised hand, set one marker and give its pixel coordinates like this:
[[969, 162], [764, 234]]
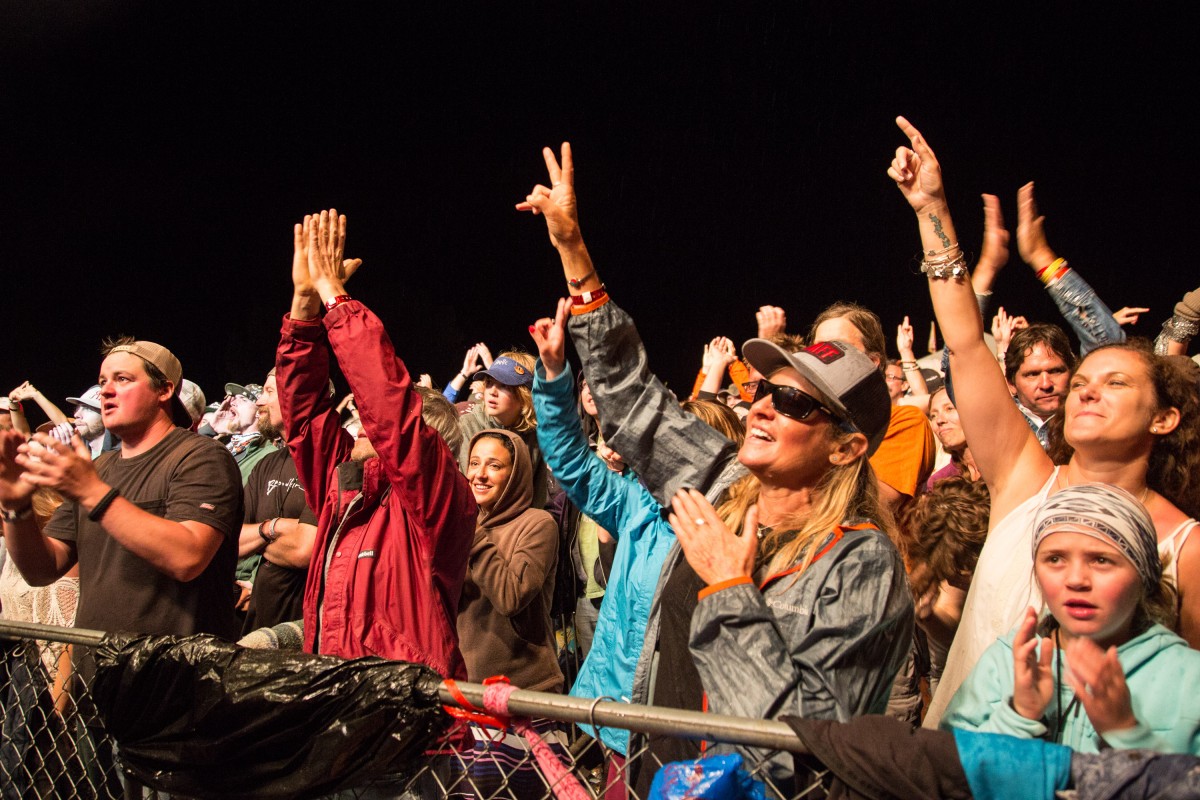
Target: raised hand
[[1098, 680], [550, 336], [916, 171], [23, 392], [1031, 231], [1003, 327], [15, 491], [1128, 315], [425, 380], [66, 468], [301, 280], [556, 202], [470, 363], [1033, 680], [485, 355], [994, 254], [714, 552], [719, 354], [771, 320], [905, 337], [327, 270]]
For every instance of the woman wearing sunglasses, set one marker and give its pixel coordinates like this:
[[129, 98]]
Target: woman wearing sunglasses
[[792, 598]]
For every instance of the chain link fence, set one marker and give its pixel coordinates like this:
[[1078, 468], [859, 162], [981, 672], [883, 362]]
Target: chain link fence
[[53, 743]]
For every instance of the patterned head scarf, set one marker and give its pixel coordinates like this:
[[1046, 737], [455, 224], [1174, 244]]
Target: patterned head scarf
[[1109, 514]]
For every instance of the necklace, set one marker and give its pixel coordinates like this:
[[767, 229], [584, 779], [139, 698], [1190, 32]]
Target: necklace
[[1064, 483]]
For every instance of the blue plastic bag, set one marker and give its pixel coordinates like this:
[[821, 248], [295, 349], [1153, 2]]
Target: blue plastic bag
[[709, 778]]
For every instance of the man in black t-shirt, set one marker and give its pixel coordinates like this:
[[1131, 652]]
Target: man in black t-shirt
[[152, 526], [278, 523]]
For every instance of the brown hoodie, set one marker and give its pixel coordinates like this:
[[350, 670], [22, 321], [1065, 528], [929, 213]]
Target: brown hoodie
[[504, 623]]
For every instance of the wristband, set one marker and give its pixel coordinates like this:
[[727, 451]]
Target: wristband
[[267, 532], [10, 515], [1051, 270], [98, 511], [588, 297], [336, 301]]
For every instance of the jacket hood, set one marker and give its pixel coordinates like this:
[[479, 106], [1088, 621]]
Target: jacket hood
[[517, 494]]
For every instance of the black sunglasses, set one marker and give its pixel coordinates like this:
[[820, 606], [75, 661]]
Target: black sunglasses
[[790, 401]]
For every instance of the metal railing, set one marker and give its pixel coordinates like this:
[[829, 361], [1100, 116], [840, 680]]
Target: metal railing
[[53, 743]]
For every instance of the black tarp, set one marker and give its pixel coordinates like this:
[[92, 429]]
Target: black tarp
[[203, 718], [879, 758]]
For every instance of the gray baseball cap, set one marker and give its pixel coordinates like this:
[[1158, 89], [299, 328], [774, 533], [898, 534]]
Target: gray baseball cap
[[850, 382]]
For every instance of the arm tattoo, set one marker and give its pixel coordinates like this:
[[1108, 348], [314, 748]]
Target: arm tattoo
[[937, 228]]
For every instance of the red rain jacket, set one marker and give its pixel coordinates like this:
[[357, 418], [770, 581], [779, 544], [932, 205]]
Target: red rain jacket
[[393, 536]]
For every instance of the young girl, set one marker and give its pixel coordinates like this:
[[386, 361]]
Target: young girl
[[1101, 668]]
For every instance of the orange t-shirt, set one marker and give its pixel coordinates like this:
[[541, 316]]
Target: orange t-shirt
[[905, 459]]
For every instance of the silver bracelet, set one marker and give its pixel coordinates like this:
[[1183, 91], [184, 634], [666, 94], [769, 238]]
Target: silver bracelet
[[941, 270], [1180, 329]]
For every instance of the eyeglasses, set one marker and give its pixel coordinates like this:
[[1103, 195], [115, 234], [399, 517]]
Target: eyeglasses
[[790, 401]]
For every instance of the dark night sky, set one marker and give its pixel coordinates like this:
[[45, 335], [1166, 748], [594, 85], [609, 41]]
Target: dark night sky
[[155, 156]]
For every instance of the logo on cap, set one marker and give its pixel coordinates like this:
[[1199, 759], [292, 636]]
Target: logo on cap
[[825, 352]]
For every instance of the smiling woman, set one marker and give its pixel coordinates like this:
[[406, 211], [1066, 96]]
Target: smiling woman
[[508, 405], [1132, 419], [817, 619], [504, 615]]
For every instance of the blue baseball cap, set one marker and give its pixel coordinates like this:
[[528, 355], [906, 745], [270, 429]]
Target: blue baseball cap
[[507, 371]]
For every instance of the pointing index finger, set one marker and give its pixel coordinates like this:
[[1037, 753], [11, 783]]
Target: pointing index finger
[[918, 141]]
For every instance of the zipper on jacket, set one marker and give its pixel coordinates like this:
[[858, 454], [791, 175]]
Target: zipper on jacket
[[333, 540]]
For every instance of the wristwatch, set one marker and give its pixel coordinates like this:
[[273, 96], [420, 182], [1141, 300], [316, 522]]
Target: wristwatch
[[9, 515]]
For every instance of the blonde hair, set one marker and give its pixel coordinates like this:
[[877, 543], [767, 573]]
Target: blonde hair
[[719, 417], [845, 492], [45, 502], [528, 419]]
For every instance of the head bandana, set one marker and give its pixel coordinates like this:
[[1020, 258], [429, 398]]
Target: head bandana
[[1107, 513]]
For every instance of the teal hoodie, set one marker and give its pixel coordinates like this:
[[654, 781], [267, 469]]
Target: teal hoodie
[[1163, 675]]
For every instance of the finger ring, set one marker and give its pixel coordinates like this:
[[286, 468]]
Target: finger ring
[[699, 521]]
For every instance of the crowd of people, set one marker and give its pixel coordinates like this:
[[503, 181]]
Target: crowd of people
[[996, 537]]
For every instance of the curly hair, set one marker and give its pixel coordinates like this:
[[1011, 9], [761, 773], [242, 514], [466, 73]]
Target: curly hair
[[1174, 468], [944, 529]]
